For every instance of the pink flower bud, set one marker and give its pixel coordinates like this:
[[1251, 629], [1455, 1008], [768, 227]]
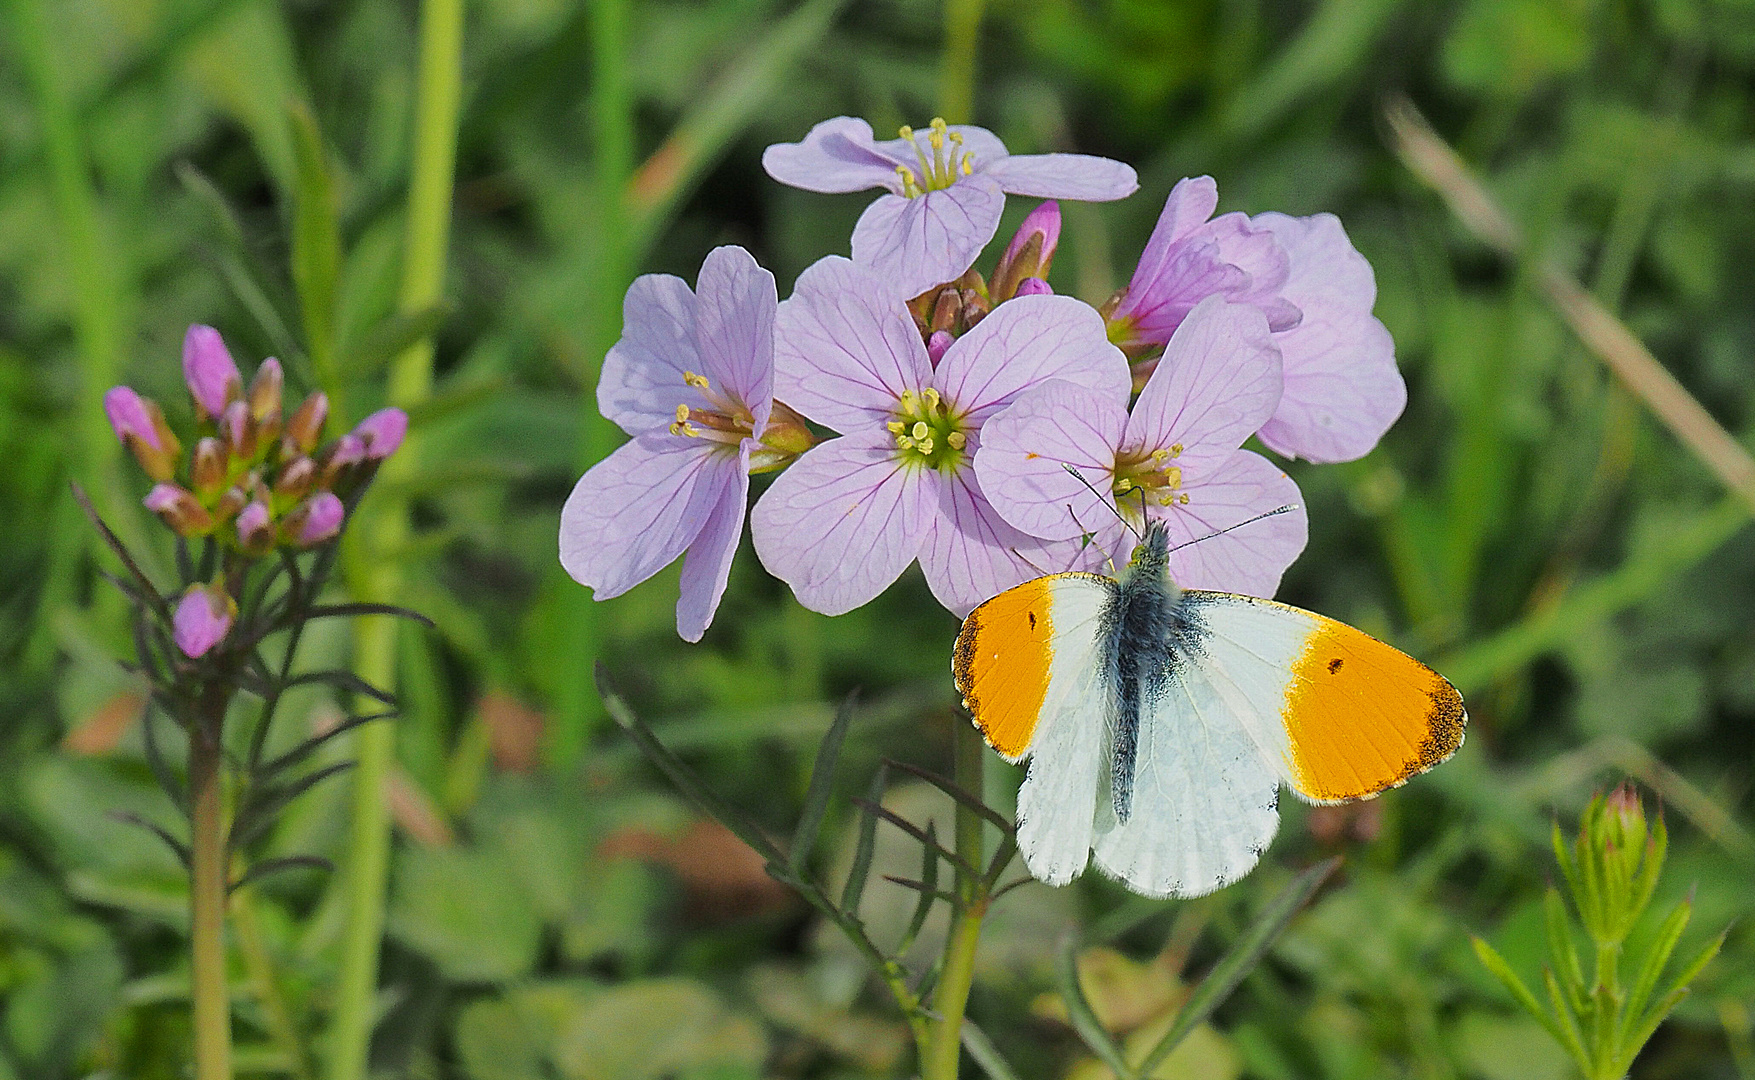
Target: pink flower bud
[[179, 509], [315, 520], [208, 369], [203, 618], [305, 429], [1034, 286], [382, 432], [265, 390], [208, 469], [1030, 252], [238, 429], [140, 424], [255, 530], [937, 344], [295, 478]]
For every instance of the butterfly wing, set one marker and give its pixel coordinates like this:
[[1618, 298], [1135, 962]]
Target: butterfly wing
[[1031, 668], [1205, 798], [1339, 714]]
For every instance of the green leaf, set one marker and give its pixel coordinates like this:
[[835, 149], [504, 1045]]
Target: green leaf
[[316, 245], [1494, 963], [986, 1055], [1242, 958], [1652, 968], [927, 887], [1566, 1027], [465, 910], [391, 337], [865, 847], [1562, 948], [1079, 1011], [822, 785]]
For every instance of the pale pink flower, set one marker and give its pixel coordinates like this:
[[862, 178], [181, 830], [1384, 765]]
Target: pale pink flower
[[203, 618], [209, 370]]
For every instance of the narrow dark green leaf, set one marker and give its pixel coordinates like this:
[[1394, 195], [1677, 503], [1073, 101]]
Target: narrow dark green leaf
[[1652, 967], [180, 849], [927, 889], [923, 888], [308, 747], [155, 758], [1239, 961], [1567, 1032], [1079, 1011], [391, 337], [683, 776], [1561, 948], [331, 611], [986, 1055], [1679, 986], [114, 543], [275, 866], [822, 784], [316, 244], [926, 837], [342, 680], [865, 847], [264, 801], [959, 793]]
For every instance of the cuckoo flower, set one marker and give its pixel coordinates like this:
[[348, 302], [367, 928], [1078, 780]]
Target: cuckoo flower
[[1342, 389], [947, 186], [1174, 459], [899, 484], [210, 371], [692, 379], [203, 618]]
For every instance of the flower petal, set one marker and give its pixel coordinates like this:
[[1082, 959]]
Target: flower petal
[[837, 155], [1025, 342], [1191, 202], [642, 380], [707, 566], [1342, 388], [844, 521], [1026, 448], [845, 348], [914, 244], [1062, 176], [1219, 381], [973, 554], [734, 327], [635, 511], [1247, 560]]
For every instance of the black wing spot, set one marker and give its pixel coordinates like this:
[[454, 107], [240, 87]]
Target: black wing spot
[[1032, 620], [1335, 665]]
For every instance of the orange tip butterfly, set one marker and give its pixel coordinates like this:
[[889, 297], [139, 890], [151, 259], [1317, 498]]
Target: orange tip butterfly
[[1160, 723]]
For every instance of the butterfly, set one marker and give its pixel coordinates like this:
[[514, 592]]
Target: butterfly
[[1160, 722]]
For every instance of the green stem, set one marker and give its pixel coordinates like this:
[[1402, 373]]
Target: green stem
[[260, 966], [956, 92], [207, 893], [375, 572], [944, 1043], [576, 709]]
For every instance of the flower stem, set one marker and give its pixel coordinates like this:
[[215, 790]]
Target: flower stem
[[944, 1045], [956, 93], [376, 572], [207, 894]]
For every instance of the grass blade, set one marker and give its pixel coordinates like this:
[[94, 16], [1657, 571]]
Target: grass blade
[[986, 1055], [822, 784], [1242, 958], [865, 847], [1079, 1011]]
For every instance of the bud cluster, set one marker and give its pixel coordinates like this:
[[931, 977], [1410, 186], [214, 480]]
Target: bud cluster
[[946, 312], [257, 480]]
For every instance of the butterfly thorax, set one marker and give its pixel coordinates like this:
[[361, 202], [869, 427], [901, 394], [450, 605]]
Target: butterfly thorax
[[1141, 653]]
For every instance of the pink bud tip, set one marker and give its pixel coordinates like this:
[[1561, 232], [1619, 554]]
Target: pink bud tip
[[234, 424], [129, 416], [382, 432], [1034, 286], [252, 521], [163, 498], [1045, 219], [202, 619], [937, 344], [322, 520], [209, 370]]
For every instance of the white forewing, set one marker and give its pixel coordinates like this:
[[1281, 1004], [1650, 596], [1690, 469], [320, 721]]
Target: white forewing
[[1249, 648], [1069, 750], [1204, 797]]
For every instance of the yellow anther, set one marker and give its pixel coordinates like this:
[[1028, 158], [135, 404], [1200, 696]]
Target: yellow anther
[[968, 164], [932, 398], [1160, 456], [682, 413], [957, 440], [699, 382], [904, 443], [906, 132], [1183, 498], [896, 427], [924, 445], [689, 429], [1175, 449], [907, 400], [1123, 486], [676, 429], [920, 430], [936, 139], [1173, 476]]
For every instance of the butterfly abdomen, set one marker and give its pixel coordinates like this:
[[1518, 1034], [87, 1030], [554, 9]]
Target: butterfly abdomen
[[1141, 661]]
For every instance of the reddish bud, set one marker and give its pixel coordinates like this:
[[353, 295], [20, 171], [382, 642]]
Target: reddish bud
[[295, 478], [203, 618], [179, 509], [140, 424], [255, 528], [382, 432], [937, 344], [305, 429], [315, 520], [209, 468], [213, 378]]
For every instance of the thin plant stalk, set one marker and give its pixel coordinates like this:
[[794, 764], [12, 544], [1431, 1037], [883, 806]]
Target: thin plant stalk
[[956, 93], [944, 1044], [439, 98], [207, 894], [576, 706]]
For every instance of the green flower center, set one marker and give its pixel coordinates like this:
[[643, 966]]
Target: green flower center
[[927, 432], [1149, 479], [949, 162]]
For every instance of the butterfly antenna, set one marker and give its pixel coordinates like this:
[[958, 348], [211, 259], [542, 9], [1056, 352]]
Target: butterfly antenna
[[1125, 523], [1275, 512]]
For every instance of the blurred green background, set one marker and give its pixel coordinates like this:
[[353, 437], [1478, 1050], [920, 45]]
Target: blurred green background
[[556, 911]]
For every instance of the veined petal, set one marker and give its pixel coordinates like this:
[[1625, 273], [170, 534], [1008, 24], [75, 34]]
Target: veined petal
[[914, 244], [1219, 381], [707, 565], [845, 348], [973, 554], [1025, 451], [837, 155], [635, 511], [844, 521], [1062, 176], [642, 379], [1025, 342], [1247, 560], [1342, 387], [734, 328], [1191, 202]]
